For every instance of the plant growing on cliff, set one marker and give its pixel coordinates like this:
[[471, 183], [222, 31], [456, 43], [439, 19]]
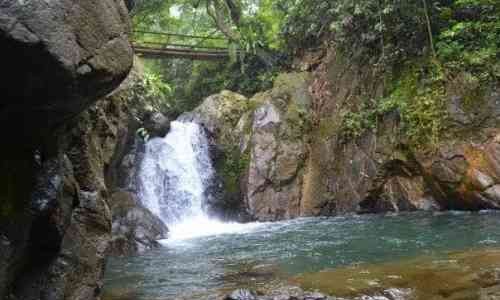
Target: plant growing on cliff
[[157, 90], [420, 98], [470, 40]]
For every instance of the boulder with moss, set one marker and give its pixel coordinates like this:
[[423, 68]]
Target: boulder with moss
[[277, 149], [253, 140]]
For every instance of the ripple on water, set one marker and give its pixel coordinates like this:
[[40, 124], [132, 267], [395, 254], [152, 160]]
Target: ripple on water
[[309, 250]]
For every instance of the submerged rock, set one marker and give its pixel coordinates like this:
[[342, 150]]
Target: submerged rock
[[459, 275], [297, 294], [242, 294]]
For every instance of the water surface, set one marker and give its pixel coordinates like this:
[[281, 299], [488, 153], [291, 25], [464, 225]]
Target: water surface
[[292, 251]]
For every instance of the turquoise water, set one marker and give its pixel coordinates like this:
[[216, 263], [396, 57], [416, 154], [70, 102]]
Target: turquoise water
[[198, 268]]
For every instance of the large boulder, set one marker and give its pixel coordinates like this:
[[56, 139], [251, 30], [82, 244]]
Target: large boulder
[[55, 230], [58, 58], [135, 228], [277, 149], [259, 149], [221, 116]]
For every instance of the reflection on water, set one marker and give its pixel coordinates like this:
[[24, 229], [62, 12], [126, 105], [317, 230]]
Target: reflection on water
[[353, 255]]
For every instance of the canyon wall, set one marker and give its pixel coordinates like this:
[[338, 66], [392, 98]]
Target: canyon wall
[[60, 149], [289, 153]]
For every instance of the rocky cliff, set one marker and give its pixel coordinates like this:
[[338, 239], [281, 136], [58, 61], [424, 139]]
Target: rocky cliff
[[313, 146], [385, 167], [83, 206], [59, 57]]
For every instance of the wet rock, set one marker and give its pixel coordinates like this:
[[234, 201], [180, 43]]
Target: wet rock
[[315, 296], [488, 278], [60, 249], [491, 293], [242, 294], [254, 141], [399, 294], [156, 124], [59, 58], [135, 229]]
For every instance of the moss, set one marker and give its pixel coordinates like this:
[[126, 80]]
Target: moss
[[290, 81], [231, 167], [298, 121]]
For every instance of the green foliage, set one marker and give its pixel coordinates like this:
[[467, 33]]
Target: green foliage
[[467, 32], [298, 120], [471, 39], [418, 97], [377, 29], [192, 81], [355, 123], [155, 85], [143, 133], [155, 90]]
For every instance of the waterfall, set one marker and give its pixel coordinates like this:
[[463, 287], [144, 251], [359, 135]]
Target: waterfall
[[174, 173], [173, 180]]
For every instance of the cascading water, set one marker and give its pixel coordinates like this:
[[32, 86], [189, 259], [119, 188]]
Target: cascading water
[[173, 180]]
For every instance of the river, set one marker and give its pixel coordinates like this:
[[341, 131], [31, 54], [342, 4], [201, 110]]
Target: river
[[306, 252]]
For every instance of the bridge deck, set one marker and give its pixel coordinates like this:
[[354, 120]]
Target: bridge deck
[[168, 52], [167, 49]]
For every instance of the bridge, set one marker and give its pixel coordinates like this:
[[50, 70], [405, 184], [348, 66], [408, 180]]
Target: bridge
[[174, 45]]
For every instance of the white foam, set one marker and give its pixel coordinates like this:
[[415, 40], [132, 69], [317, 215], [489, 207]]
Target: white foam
[[203, 226]]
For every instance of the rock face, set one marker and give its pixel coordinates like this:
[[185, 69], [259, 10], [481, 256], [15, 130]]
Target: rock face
[[58, 57], [284, 154], [256, 139], [60, 251], [277, 149], [379, 171], [82, 52], [82, 199]]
